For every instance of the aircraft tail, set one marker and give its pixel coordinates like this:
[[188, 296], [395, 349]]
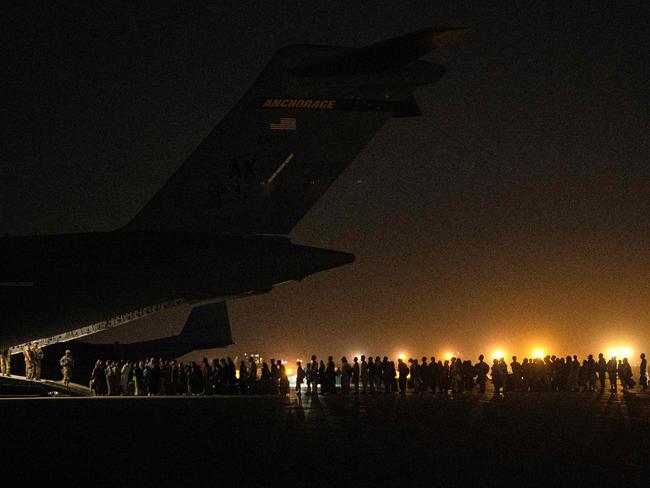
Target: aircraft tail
[[305, 118]]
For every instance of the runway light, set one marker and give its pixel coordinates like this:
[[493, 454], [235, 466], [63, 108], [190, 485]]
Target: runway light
[[498, 354]]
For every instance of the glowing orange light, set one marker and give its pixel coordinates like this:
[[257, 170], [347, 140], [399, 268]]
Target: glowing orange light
[[448, 356], [498, 354], [401, 356], [538, 353]]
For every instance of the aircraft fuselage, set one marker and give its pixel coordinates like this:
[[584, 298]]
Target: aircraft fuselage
[[54, 283]]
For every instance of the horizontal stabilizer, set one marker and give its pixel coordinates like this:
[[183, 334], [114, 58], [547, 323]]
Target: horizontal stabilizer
[[382, 56]]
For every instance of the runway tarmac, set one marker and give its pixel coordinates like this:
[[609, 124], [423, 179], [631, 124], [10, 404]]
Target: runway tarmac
[[529, 439]]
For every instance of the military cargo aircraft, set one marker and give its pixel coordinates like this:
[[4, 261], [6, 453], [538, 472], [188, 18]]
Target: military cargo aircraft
[[218, 228]]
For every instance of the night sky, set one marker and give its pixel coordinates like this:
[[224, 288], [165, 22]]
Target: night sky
[[514, 214]]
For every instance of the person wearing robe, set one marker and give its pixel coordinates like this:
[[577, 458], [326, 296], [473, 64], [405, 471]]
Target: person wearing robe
[[265, 380], [355, 373], [612, 367], [300, 377], [643, 373], [346, 373], [403, 372], [481, 370], [365, 374], [125, 378], [284, 379], [497, 379], [591, 373]]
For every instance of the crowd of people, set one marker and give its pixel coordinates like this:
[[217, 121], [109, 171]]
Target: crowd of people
[[170, 377], [365, 375]]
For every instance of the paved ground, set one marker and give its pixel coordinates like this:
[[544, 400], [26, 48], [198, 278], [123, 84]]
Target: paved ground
[[374, 440], [16, 385]]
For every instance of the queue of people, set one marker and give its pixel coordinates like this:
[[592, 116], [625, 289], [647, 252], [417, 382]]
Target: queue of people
[[154, 376], [456, 375], [365, 375]]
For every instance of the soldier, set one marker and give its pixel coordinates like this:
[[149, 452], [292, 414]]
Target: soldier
[[275, 377], [66, 363], [29, 362], [37, 357], [5, 362]]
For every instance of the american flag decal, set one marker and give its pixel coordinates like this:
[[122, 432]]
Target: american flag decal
[[286, 123]]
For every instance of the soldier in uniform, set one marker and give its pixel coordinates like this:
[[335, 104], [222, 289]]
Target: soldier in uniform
[[66, 363], [37, 358], [29, 362], [5, 362], [330, 376]]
